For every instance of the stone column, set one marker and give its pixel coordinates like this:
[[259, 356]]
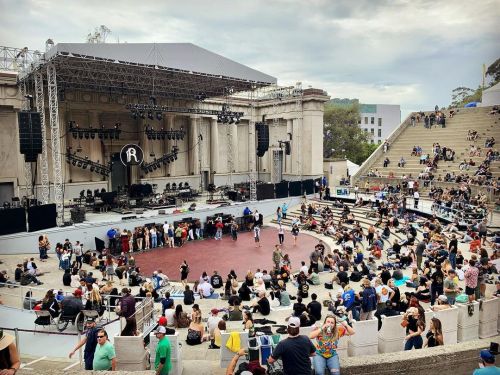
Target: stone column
[[214, 146], [234, 141], [193, 154], [295, 146]]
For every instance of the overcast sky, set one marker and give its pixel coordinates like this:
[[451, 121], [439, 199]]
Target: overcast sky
[[411, 53]]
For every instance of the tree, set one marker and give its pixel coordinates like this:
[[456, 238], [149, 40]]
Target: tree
[[493, 71], [99, 36], [343, 138], [463, 95]]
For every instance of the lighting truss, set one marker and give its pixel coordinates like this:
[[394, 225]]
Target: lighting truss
[[142, 111], [102, 133], [171, 134], [156, 163], [84, 163], [226, 116]]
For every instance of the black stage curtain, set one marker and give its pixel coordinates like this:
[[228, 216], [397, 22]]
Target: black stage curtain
[[308, 186], [294, 188], [42, 217], [265, 191], [281, 189], [12, 220]]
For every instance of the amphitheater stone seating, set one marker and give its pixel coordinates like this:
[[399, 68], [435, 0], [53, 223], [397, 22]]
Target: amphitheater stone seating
[[364, 341], [130, 353], [488, 318], [468, 325], [449, 323], [454, 135], [391, 335]]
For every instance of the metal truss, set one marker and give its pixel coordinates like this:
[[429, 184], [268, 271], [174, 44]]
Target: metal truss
[[44, 165], [17, 59], [135, 108], [56, 142], [252, 150], [28, 176], [230, 160]]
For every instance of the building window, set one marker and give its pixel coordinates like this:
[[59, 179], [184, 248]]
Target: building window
[[366, 120], [372, 120], [380, 133], [359, 121], [372, 131], [379, 141], [366, 130], [379, 122], [372, 142]]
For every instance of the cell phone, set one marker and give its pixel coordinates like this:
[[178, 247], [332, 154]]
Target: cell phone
[[247, 357]]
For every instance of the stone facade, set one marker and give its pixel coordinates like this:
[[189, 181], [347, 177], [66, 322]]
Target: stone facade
[[303, 123]]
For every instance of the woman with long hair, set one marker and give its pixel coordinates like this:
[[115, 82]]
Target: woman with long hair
[[188, 296], [415, 326], [181, 318], [247, 319], [434, 336], [110, 268], [327, 338]]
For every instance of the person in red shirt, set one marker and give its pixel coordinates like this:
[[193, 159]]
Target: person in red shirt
[[184, 234], [219, 225]]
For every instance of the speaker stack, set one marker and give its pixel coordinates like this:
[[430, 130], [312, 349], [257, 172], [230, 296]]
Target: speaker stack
[[30, 135], [78, 214], [262, 138]]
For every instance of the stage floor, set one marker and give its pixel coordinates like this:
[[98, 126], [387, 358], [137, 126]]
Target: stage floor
[[223, 255]]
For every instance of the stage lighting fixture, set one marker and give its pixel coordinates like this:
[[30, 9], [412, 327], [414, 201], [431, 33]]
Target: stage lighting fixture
[[73, 162], [105, 135], [154, 167], [84, 166], [169, 136], [159, 116], [99, 134], [92, 135], [134, 115], [80, 135], [79, 164], [150, 115], [162, 134], [231, 120], [92, 168], [219, 118], [150, 168], [149, 135], [142, 115], [87, 135]]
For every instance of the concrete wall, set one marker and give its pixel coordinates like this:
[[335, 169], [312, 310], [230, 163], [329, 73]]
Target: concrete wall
[[22, 243]]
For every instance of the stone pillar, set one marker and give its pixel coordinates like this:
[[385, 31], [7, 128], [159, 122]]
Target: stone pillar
[[295, 146], [214, 146], [193, 154], [234, 141]]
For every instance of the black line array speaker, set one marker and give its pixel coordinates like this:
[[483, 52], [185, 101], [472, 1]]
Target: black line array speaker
[[42, 217], [30, 135], [262, 138]]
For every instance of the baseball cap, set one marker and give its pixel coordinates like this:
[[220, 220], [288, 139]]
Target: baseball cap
[[443, 298], [161, 329], [162, 321], [487, 356], [294, 322], [90, 320], [214, 311], [77, 293]]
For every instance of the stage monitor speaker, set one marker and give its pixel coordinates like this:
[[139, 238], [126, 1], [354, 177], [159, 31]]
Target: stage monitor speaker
[[42, 217], [265, 191], [12, 221], [262, 138], [99, 244], [77, 214], [281, 189], [30, 135]]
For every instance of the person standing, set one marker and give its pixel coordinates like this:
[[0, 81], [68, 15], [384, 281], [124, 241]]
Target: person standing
[[294, 351], [471, 280], [416, 197], [295, 233], [281, 234], [453, 249], [163, 363], [78, 251], [420, 252], [104, 356], [437, 283], [127, 310], [90, 342], [154, 237], [327, 339], [368, 301], [277, 255], [184, 270], [415, 325], [284, 209], [256, 234], [234, 230], [450, 287]]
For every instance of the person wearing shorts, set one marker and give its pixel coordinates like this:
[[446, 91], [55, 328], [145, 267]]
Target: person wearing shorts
[[256, 233]]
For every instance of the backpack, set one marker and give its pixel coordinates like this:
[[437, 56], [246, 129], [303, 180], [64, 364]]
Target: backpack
[[369, 302], [355, 276]]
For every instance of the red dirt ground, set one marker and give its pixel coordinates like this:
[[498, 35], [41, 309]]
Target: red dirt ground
[[241, 255]]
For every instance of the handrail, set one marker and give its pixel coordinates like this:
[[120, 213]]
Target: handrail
[[47, 332]]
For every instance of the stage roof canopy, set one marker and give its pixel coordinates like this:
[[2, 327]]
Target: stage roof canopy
[[172, 70]]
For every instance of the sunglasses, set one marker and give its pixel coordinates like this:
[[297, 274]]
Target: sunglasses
[[100, 337]]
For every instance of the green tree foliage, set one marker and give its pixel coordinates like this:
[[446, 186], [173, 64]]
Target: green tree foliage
[[493, 72], [342, 135]]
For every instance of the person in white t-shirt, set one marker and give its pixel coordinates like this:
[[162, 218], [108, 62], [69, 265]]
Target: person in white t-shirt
[[304, 268], [416, 197], [205, 289], [384, 293]]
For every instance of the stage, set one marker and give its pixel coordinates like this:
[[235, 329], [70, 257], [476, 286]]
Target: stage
[[223, 255]]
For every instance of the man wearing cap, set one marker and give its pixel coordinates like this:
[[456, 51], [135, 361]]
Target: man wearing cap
[[162, 359], [90, 342], [294, 351], [163, 322], [9, 358], [488, 364]]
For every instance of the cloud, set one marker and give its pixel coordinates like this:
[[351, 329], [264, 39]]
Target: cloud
[[404, 52]]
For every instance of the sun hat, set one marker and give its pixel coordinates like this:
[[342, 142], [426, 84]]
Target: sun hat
[[5, 339]]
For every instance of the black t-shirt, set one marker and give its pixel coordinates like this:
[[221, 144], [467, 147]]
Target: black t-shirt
[[437, 278], [343, 277], [216, 281], [396, 248], [453, 246], [298, 309], [385, 276], [265, 307], [314, 308], [295, 353]]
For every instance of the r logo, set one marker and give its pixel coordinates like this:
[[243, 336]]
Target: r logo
[[131, 155]]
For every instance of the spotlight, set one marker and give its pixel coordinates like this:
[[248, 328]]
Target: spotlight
[[169, 135], [150, 168], [219, 118], [154, 167], [92, 134], [150, 115], [84, 166], [149, 135], [159, 116], [80, 135], [79, 164], [142, 115], [92, 167], [87, 135], [134, 115], [99, 134], [73, 162], [231, 120]]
